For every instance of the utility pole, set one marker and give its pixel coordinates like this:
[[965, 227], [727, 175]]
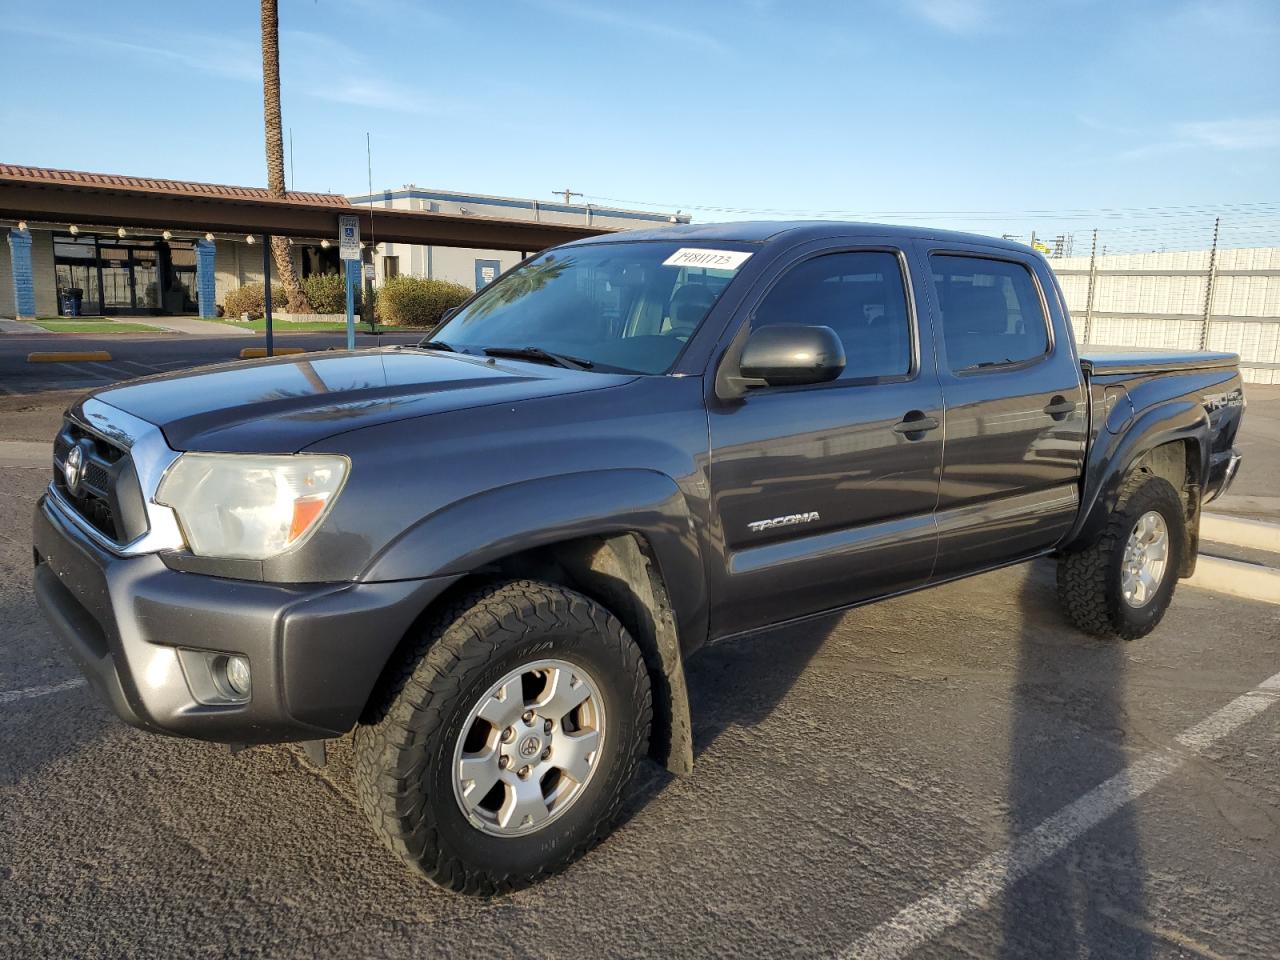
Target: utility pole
[[1209, 279], [568, 195], [1093, 277]]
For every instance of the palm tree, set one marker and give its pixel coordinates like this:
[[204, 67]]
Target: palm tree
[[298, 302]]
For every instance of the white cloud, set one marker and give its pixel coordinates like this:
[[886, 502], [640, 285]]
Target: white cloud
[[1233, 135], [311, 64], [1244, 133], [231, 58], [954, 16], [628, 23], [318, 66]]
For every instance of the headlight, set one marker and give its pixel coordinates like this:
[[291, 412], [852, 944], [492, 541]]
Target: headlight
[[246, 506]]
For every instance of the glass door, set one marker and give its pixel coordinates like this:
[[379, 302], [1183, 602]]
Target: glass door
[[117, 278]]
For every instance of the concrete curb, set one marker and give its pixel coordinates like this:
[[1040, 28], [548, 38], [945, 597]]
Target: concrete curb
[[1234, 578], [1266, 507], [67, 356], [1240, 532], [257, 353]]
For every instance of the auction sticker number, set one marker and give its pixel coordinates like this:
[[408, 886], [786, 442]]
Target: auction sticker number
[[711, 259]]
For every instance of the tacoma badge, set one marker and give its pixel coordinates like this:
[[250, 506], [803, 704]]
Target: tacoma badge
[[790, 520]]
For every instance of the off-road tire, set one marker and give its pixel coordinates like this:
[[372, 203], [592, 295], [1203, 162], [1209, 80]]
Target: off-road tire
[[404, 747], [1089, 580]]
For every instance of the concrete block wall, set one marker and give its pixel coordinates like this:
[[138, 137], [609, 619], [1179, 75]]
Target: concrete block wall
[[1162, 309], [237, 263]]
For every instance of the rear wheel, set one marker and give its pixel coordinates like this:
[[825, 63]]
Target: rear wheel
[[1122, 584], [502, 751]]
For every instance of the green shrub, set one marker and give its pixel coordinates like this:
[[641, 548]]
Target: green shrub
[[327, 293], [248, 299], [415, 302]]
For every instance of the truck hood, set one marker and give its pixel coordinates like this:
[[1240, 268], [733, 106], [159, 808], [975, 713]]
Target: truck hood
[[285, 404]]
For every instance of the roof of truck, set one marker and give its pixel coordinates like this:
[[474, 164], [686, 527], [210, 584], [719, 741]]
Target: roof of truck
[[761, 231]]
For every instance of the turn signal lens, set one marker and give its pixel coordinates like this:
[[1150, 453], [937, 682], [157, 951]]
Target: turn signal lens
[[306, 511]]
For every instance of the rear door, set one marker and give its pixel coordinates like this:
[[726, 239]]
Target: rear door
[[1015, 409], [823, 495]]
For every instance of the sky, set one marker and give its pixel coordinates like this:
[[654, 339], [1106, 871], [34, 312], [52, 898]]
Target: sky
[[994, 115]]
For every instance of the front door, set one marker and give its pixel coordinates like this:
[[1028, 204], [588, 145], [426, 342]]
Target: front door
[[824, 495], [1015, 411]]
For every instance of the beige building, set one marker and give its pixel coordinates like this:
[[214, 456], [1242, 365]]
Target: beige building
[[475, 268]]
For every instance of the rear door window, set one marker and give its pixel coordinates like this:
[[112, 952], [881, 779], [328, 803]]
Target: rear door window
[[859, 295], [992, 315]]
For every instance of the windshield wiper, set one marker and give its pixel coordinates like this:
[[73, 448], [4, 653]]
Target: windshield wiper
[[437, 345], [538, 354]]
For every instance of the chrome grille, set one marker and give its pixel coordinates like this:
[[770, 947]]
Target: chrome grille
[[108, 497]]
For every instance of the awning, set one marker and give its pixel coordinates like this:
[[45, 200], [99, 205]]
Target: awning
[[72, 197]]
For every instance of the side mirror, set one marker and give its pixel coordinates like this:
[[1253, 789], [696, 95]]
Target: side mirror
[[790, 355]]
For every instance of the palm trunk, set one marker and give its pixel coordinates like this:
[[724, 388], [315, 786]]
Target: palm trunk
[[280, 251]]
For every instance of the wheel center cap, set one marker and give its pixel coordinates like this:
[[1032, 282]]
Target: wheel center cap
[[530, 747]]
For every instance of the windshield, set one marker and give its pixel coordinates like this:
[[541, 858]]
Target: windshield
[[628, 307]]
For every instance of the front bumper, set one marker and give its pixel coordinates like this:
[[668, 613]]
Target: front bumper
[[135, 626]]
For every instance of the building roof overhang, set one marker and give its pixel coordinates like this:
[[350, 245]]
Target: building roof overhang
[[67, 196]]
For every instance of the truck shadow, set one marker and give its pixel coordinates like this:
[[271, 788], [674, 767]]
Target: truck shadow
[[1069, 732], [1065, 710], [737, 683]]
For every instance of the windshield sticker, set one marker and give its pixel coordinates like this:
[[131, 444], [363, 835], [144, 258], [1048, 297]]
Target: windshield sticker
[[711, 259]]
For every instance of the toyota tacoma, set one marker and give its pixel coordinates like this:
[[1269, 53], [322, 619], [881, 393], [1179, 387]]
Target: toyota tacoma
[[487, 557]]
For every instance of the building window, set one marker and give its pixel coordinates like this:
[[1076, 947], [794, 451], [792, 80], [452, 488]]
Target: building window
[[116, 275], [390, 267]]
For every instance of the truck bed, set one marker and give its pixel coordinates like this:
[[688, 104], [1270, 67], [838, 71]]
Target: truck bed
[[1106, 361]]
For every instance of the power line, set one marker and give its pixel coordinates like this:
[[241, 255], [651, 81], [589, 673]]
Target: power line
[[1207, 209]]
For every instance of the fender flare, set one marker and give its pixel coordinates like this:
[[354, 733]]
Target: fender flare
[[479, 531], [1115, 454]]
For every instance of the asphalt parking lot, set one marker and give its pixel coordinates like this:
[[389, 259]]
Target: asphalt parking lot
[[953, 773]]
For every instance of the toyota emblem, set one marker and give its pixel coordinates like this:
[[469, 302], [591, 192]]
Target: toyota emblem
[[73, 470]]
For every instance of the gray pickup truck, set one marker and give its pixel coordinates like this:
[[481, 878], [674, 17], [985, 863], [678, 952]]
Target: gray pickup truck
[[489, 555]]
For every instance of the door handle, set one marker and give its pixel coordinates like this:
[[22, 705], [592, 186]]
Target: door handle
[[1059, 407], [916, 423]]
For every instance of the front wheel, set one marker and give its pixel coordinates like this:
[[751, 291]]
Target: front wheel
[[1121, 585], [502, 751]]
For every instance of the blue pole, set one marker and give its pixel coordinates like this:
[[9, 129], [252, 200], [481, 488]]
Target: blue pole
[[351, 266], [266, 291]]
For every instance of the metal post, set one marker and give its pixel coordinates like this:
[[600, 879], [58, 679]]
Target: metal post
[[352, 266], [1208, 286], [266, 291], [1093, 277]]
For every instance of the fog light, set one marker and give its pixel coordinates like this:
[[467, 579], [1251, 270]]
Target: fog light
[[237, 673]]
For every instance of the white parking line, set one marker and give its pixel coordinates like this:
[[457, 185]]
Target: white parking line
[[9, 696], [114, 372], [142, 366], [97, 377], [976, 888]]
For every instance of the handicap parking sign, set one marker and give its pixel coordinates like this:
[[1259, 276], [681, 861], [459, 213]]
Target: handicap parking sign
[[349, 237]]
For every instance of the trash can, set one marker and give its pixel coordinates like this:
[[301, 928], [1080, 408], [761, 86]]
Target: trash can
[[72, 298]]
